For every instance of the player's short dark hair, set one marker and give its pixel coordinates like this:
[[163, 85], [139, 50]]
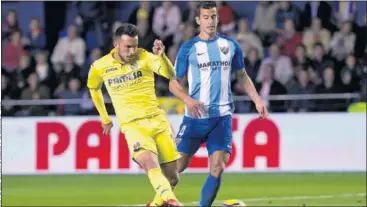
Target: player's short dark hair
[[204, 5], [126, 29]]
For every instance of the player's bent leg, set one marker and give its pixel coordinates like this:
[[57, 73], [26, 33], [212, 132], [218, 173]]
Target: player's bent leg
[[188, 141], [149, 162], [183, 162], [143, 149], [170, 171], [187, 147], [167, 156]]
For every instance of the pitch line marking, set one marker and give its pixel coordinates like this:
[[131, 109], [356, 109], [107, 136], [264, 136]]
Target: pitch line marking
[[283, 198]]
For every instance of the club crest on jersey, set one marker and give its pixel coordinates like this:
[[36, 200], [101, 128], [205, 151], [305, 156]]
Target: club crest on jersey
[[134, 66], [137, 146], [224, 49]]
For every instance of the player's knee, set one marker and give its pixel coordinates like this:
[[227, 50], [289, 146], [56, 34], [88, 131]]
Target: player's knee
[[217, 168], [218, 162], [147, 160], [183, 163], [181, 167]]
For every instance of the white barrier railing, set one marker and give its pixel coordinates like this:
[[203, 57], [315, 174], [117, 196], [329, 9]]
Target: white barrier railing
[[288, 97]]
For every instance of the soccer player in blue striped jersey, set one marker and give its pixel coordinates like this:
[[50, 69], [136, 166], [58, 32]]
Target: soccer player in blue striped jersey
[[208, 60]]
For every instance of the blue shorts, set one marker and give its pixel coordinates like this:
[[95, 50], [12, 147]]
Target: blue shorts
[[215, 132]]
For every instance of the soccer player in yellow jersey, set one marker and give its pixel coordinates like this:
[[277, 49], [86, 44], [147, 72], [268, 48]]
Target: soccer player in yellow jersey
[[128, 74]]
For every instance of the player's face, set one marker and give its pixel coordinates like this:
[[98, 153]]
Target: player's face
[[127, 47], [208, 21]]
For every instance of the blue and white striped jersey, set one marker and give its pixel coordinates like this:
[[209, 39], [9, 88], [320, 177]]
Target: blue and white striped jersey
[[208, 65]]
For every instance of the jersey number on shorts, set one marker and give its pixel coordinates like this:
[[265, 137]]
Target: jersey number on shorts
[[182, 131]]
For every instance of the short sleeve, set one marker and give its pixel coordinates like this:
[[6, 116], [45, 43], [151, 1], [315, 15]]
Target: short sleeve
[[237, 61], [94, 81], [182, 61]]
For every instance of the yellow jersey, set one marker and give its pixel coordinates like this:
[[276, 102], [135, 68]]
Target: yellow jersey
[[131, 85]]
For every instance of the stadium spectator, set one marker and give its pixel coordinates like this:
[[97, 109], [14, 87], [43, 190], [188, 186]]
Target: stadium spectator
[[361, 40], [289, 39], [328, 86], [109, 43], [301, 86], [248, 39], [300, 57], [186, 34], [68, 71], [270, 86], [320, 59], [5, 87], [95, 54], [351, 75], [363, 60], [146, 38], [345, 11], [252, 62], [265, 23], [283, 69], [343, 42], [10, 24], [36, 37], [226, 18], [145, 10], [314, 77], [344, 52], [19, 76], [188, 15], [315, 34], [12, 52], [44, 70], [6, 94], [72, 92], [72, 44], [91, 17], [166, 22], [286, 11], [34, 91], [317, 10]]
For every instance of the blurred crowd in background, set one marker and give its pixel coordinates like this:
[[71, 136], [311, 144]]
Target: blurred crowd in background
[[317, 49]]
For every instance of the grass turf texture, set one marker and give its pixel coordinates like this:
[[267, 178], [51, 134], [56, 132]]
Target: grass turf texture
[[117, 190]]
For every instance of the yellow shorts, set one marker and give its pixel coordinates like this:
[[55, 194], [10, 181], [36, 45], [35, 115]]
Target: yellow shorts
[[153, 134]]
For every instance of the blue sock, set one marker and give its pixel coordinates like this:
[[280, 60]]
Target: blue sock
[[209, 190]]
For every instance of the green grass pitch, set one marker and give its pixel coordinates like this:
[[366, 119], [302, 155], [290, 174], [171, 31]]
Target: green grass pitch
[[255, 189]]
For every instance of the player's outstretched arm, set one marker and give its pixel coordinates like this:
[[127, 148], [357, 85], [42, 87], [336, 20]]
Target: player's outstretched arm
[[176, 88], [253, 94], [196, 108]]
